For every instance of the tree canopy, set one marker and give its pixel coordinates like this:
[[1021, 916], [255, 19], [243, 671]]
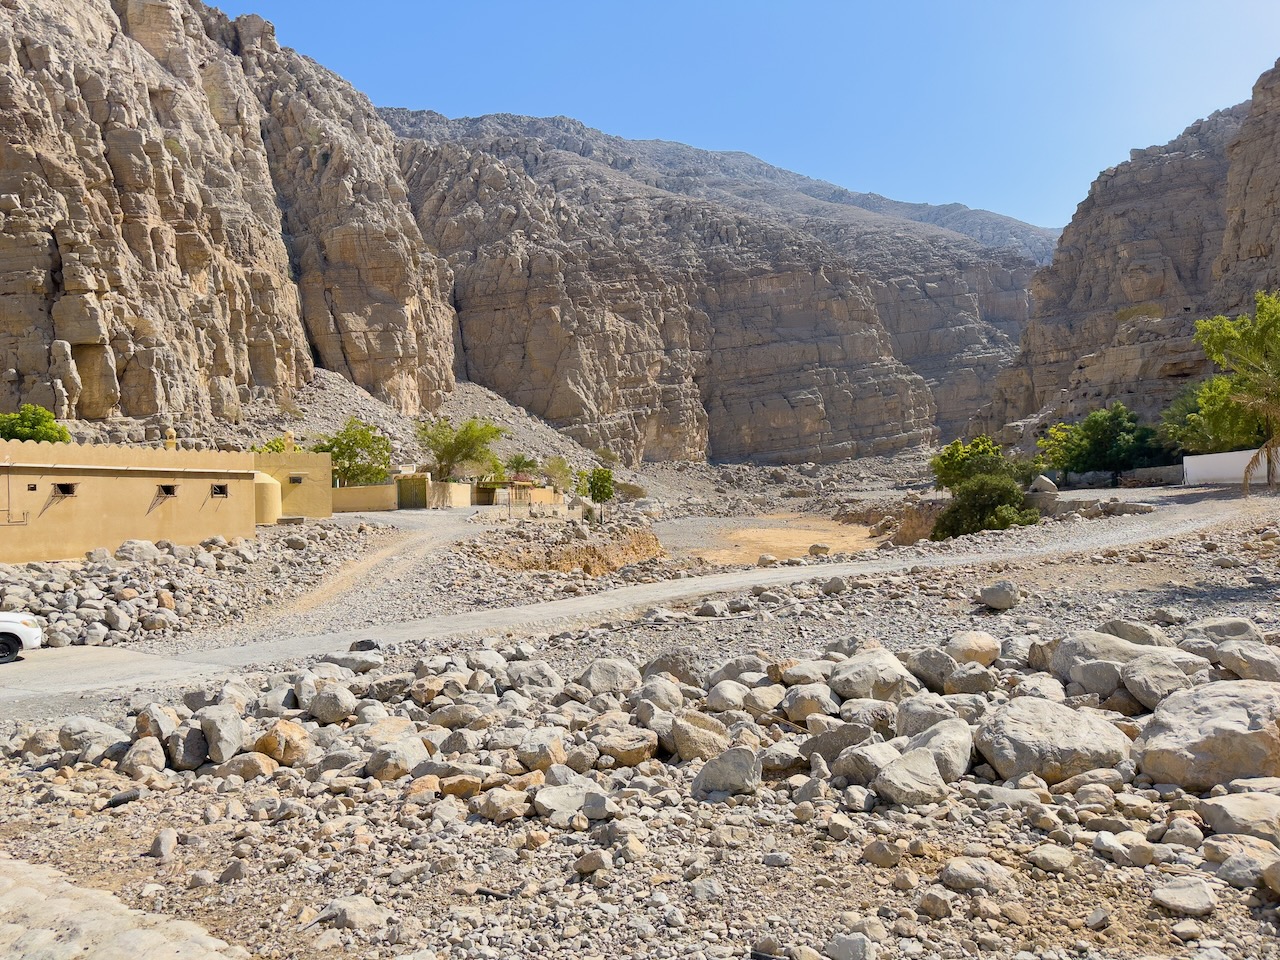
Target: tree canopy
[[361, 455], [1110, 440], [453, 447], [1248, 348], [32, 422], [1204, 418]]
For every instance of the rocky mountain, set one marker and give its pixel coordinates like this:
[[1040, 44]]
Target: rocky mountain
[[949, 284], [1180, 231], [192, 217]]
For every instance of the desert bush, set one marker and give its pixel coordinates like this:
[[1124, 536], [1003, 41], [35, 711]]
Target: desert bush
[[985, 502], [629, 491], [959, 461]]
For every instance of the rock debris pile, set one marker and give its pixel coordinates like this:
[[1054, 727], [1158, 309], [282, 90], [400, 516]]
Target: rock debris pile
[[1115, 788], [156, 590]]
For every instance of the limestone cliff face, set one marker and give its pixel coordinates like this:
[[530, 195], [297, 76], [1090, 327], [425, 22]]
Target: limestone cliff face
[[142, 268], [1115, 311], [1249, 260], [146, 267], [952, 304], [657, 325]]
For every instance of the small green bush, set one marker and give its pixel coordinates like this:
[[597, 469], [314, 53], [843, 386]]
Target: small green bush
[[33, 423], [629, 491], [985, 502], [959, 461]]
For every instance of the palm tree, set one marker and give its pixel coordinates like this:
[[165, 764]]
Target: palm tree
[[521, 463], [1248, 348]]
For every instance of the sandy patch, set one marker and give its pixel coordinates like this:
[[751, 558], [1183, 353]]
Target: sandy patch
[[742, 540]]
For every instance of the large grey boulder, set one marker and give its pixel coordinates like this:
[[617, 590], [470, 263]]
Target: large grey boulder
[[1213, 734], [1030, 735], [737, 770], [911, 780], [1250, 660], [1143, 634], [1153, 678], [951, 743], [91, 739], [860, 765], [610, 675], [224, 730], [1221, 629], [874, 674], [334, 704], [1253, 814], [391, 761], [1092, 645]]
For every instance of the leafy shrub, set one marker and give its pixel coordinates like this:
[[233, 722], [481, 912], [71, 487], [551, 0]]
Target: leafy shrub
[[556, 472], [985, 502], [606, 456], [274, 445], [361, 455], [630, 491], [959, 461], [452, 447], [33, 423], [1110, 440]]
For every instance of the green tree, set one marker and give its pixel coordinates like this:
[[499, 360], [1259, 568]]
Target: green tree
[[361, 455], [33, 423], [557, 473], [521, 463], [1110, 440], [985, 502], [959, 461], [274, 445], [451, 447], [1248, 348], [1204, 418], [600, 485]]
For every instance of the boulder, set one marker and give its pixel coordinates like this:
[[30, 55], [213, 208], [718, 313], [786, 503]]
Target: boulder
[[1050, 740], [1250, 660], [911, 780], [541, 749], [248, 766], [726, 695], [735, 771], [1219, 630], [873, 674], [1143, 634], [1091, 645], [1001, 595], [145, 756], [973, 646], [334, 704], [1186, 896], [91, 739], [610, 675], [698, 736], [628, 746], [1153, 678], [1252, 814], [391, 761], [806, 699], [931, 666], [285, 742], [223, 730], [1213, 734], [951, 743], [862, 764]]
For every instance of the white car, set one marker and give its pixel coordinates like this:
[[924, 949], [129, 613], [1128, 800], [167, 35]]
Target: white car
[[18, 632]]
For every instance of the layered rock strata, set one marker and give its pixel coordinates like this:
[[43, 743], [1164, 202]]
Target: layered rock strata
[[659, 326], [1178, 232], [190, 213], [949, 284]]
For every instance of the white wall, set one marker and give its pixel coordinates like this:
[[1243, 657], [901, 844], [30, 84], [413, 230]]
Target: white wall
[[1221, 468]]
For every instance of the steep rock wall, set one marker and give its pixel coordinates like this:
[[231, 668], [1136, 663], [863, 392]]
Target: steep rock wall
[[1114, 313], [146, 267], [657, 325]]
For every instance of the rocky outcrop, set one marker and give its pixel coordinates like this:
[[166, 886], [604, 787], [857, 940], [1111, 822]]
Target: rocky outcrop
[[1115, 312], [661, 327], [953, 307], [190, 213]]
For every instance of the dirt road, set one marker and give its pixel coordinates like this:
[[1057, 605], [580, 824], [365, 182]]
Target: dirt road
[[58, 682]]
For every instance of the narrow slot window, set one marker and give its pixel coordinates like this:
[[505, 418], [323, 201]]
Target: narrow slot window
[[167, 490], [65, 489], [218, 490]]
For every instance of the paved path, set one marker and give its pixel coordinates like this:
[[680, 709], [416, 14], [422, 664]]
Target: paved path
[[64, 675], [44, 917]]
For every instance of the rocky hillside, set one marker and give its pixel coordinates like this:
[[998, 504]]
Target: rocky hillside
[[192, 216], [949, 284], [1178, 232]]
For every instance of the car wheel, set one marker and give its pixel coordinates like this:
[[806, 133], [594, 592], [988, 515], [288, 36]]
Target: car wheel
[[10, 647]]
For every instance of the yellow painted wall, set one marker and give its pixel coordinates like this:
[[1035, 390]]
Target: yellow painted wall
[[448, 495], [313, 496], [364, 499], [117, 497], [545, 495], [266, 499]]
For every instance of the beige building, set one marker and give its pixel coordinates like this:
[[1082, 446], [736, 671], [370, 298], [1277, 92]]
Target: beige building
[[305, 480], [59, 500]]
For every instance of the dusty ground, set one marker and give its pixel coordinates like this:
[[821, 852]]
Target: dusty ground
[[729, 540]]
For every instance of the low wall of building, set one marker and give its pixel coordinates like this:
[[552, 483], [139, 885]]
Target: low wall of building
[[60, 500], [1215, 468], [448, 495], [306, 481], [364, 499]]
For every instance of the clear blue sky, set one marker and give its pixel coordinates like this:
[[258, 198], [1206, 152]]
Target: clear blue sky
[[1012, 105]]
